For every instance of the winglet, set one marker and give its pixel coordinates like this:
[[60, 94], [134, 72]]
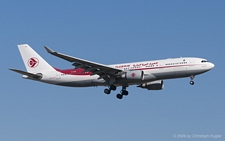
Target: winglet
[[49, 50]]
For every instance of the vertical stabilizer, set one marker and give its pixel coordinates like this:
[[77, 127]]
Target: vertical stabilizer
[[33, 62]]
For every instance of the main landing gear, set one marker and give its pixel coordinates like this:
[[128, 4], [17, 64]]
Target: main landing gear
[[192, 78], [120, 95], [108, 91]]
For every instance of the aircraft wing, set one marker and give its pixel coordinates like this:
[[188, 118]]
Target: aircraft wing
[[95, 68], [30, 75]]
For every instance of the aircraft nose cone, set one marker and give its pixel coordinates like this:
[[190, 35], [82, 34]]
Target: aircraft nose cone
[[211, 65]]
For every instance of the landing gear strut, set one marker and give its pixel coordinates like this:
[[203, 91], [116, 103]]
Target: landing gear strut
[[192, 78], [122, 93]]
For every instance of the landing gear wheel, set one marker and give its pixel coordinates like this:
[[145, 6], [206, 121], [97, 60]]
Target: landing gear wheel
[[124, 92], [119, 96], [107, 91], [192, 82], [112, 87]]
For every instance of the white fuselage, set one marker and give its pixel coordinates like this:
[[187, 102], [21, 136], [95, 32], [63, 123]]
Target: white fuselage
[[153, 70]]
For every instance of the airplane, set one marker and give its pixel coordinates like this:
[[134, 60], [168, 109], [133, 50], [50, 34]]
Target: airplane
[[147, 75]]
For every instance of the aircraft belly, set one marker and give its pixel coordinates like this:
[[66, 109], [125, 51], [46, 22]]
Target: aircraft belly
[[195, 72], [180, 71], [74, 84], [170, 73], [77, 81], [164, 75]]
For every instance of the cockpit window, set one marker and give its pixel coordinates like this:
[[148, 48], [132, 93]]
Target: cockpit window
[[203, 61]]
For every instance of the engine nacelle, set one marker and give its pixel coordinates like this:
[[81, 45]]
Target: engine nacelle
[[134, 75], [155, 85]]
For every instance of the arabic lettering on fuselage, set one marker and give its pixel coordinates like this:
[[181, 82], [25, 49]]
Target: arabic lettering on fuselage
[[151, 64]]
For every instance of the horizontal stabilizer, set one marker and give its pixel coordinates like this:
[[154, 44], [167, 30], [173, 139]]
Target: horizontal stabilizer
[[31, 75]]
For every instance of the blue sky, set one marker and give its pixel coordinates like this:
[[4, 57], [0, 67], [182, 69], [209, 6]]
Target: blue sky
[[112, 32]]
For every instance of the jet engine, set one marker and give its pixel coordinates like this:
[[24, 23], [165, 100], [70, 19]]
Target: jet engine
[[154, 85], [134, 75]]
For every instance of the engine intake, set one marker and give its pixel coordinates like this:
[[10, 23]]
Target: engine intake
[[154, 85]]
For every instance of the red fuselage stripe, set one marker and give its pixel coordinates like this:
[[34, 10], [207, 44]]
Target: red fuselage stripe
[[80, 71]]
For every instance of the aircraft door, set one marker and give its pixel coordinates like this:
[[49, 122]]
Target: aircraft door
[[191, 61], [161, 64], [190, 66]]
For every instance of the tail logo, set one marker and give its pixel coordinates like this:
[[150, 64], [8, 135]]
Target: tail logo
[[33, 62]]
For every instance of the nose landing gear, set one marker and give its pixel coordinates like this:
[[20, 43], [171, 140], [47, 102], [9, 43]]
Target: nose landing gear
[[192, 78], [192, 82]]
